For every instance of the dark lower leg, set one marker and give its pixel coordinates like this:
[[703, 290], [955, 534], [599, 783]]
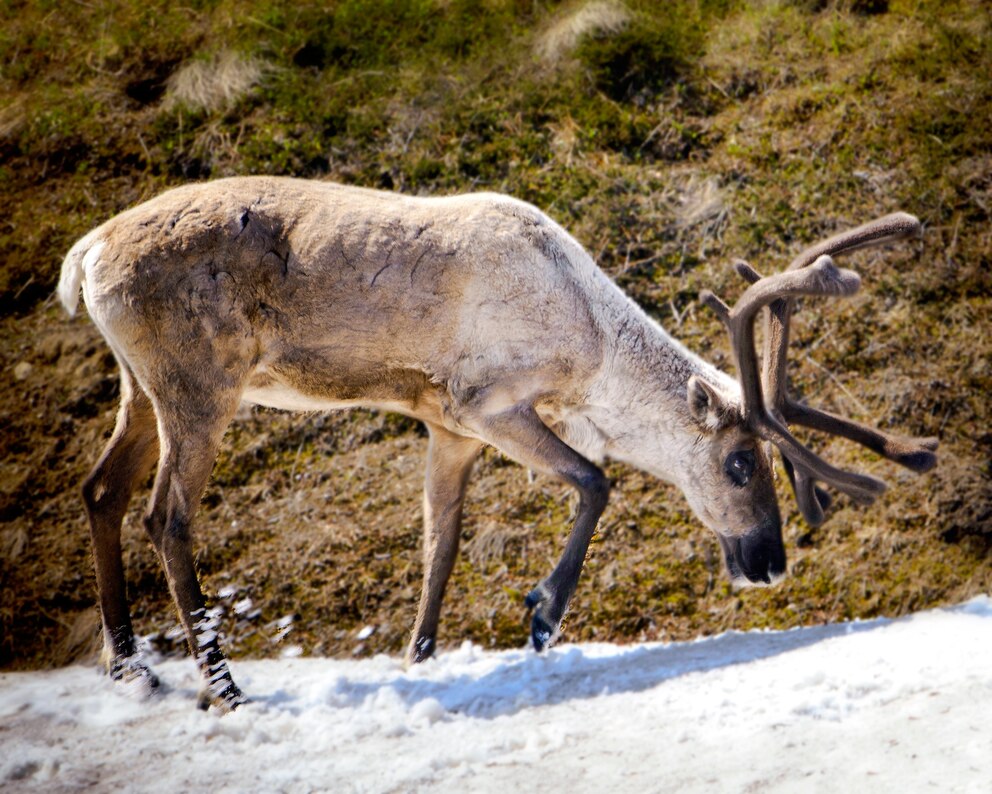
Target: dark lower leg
[[550, 598], [106, 493], [449, 462], [522, 435]]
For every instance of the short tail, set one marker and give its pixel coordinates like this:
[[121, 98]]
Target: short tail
[[83, 254]]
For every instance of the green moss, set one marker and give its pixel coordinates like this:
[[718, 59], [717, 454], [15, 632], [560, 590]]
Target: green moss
[[651, 51]]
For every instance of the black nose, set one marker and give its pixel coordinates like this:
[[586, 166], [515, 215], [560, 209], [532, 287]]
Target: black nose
[[759, 555]]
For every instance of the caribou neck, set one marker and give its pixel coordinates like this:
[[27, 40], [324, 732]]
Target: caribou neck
[[639, 401]]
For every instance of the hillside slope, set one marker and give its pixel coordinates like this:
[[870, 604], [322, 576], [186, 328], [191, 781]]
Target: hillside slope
[[667, 144]]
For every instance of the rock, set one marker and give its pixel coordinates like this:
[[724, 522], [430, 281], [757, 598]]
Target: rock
[[22, 370]]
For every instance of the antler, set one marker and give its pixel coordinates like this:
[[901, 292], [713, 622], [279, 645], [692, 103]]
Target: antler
[[767, 406]]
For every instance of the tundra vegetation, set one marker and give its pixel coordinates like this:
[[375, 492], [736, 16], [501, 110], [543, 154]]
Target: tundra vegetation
[[668, 144]]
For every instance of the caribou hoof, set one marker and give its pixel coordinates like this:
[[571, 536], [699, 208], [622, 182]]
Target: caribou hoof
[[544, 627], [226, 701], [134, 674], [420, 650], [542, 633]]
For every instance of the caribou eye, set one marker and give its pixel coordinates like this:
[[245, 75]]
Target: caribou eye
[[740, 466]]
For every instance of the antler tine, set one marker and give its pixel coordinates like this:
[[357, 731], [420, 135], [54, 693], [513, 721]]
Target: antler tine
[[915, 454], [896, 226], [821, 278], [810, 467], [889, 228], [746, 272], [812, 501]]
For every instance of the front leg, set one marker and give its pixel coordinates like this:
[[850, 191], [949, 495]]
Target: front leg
[[449, 462], [520, 433]]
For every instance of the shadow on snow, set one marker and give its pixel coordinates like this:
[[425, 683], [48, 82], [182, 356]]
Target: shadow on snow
[[525, 679]]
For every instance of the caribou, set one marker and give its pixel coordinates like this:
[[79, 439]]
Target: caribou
[[475, 314]]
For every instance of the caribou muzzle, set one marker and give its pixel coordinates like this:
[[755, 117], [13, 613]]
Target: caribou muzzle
[[757, 557]]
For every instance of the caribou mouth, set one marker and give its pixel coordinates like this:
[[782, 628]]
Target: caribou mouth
[[757, 558]]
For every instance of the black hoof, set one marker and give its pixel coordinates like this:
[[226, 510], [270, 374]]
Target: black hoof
[[542, 633], [133, 672], [421, 650], [544, 628]]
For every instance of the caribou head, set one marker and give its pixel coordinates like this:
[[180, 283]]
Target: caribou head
[[751, 540]]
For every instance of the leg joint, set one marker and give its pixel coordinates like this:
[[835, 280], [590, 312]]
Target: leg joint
[[177, 530], [93, 491], [594, 488]]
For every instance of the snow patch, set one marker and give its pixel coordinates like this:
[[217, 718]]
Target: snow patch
[[883, 705]]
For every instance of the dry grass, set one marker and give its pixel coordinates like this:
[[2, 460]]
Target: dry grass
[[703, 205], [490, 542], [596, 17], [215, 83], [13, 117]]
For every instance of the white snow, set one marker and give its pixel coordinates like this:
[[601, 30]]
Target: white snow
[[366, 632], [877, 706]]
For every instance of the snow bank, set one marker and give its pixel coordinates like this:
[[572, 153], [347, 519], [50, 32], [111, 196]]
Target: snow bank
[[882, 705]]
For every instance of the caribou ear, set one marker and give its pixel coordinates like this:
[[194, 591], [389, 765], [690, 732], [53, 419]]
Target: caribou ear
[[710, 408]]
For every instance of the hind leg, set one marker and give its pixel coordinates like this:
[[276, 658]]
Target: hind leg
[[191, 424], [126, 460], [449, 462]]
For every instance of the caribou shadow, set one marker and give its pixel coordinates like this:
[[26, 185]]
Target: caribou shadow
[[526, 680]]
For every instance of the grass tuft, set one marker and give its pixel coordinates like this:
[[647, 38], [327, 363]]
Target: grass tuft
[[593, 19], [214, 83]]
